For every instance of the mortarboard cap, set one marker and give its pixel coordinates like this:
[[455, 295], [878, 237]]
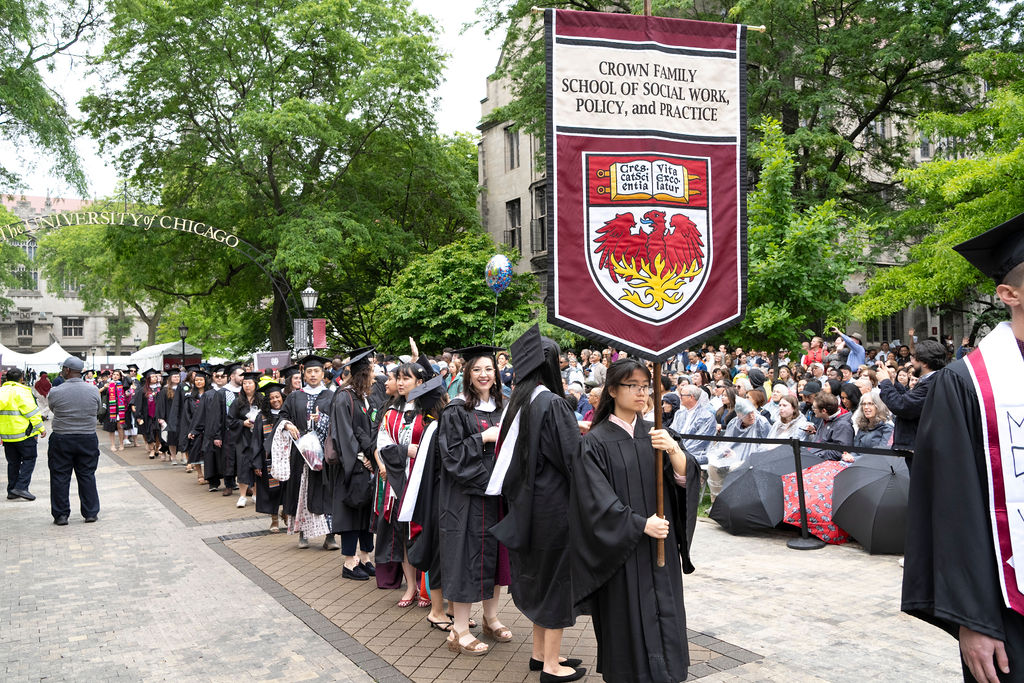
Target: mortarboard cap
[[361, 357], [254, 376], [997, 251], [471, 353], [313, 361], [231, 367], [289, 371], [203, 373], [217, 368], [192, 368], [150, 371], [133, 365], [433, 384], [527, 352], [104, 373], [271, 387]]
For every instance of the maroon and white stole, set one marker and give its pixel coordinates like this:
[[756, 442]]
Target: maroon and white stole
[[997, 369]]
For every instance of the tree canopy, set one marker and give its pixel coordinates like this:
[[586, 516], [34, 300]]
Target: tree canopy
[[972, 184], [442, 300], [798, 257], [846, 79], [32, 34], [305, 128]]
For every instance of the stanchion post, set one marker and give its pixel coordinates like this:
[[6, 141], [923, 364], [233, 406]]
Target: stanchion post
[[806, 541]]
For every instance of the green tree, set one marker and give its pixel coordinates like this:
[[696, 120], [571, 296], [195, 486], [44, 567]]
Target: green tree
[[107, 278], [798, 259], [32, 34], [304, 128], [972, 185], [13, 264], [442, 299], [836, 73]]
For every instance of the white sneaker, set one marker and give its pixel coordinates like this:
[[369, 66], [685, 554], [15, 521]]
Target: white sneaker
[[241, 502]]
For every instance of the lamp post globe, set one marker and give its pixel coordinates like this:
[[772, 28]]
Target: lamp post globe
[[183, 332], [309, 299]]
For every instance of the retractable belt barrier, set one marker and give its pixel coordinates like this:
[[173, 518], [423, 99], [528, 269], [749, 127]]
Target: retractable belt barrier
[[806, 541]]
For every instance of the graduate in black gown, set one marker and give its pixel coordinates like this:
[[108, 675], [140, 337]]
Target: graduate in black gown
[[191, 435], [952, 577], [310, 409], [636, 607], [168, 414], [538, 443], [351, 481], [210, 426], [398, 440], [145, 402], [240, 427], [269, 491], [474, 565]]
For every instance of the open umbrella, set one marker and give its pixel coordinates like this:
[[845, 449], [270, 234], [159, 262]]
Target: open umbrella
[[778, 460], [818, 486], [870, 502], [750, 499]]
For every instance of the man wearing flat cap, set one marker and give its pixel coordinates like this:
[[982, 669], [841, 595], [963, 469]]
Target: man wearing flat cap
[[965, 522], [73, 446]]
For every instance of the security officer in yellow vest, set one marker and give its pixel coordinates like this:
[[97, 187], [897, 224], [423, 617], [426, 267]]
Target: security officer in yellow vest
[[21, 422]]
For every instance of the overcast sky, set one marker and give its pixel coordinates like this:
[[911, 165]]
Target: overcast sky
[[472, 57]]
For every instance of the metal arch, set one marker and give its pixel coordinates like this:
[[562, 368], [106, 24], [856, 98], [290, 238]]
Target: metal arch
[[31, 226]]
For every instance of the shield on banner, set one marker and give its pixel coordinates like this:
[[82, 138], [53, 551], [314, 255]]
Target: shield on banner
[[647, 232]]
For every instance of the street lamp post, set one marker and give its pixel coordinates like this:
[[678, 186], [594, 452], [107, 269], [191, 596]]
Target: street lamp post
[[309, 299], [183, 332]]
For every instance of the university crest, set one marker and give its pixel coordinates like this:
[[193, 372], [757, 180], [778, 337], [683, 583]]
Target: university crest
[[647, 237]]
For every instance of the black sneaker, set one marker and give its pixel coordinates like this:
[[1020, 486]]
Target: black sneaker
[[21, 493], [357, 573], [61, 521], [369, 568]]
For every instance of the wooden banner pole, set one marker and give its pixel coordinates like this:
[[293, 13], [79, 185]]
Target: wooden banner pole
[[659, 463]]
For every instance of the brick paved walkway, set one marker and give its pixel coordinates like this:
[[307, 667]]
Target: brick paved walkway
[[174, 582]]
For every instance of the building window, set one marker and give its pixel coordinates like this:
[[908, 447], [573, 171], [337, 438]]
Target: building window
[[539, 225], [888, 328], [72, 327], [512, 147], [926, 146], [513, 223], [481, 160], [24, 329]]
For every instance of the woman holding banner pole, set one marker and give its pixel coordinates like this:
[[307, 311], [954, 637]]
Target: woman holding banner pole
[[638, 613]]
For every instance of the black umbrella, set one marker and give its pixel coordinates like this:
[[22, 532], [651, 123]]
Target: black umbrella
[[869, 500], [750, 499], [778, 460]]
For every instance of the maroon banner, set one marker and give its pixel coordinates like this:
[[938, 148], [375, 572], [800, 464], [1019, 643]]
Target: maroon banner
[[646, 158], [272, 360], [319, 333]]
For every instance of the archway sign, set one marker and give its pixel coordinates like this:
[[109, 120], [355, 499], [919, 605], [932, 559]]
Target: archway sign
[[145, 221]]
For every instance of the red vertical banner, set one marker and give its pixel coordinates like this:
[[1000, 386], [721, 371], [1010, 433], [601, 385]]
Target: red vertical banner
[[646, 158], [319, 333]]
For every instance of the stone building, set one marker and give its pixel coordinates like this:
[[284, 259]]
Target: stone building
[[51, 311]]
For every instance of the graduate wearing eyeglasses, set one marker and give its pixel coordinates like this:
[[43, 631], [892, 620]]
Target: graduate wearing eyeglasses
[[637, 607]]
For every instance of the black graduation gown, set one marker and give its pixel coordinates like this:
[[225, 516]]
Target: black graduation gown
[[169, 410], [210, 423], [190, 415], [950, 577], [469, 551], [392, 535], [536, 530], [349, 481], [150, 428], [424, 551], [637, 608], [269, 491], [240, 439], [295, 411]]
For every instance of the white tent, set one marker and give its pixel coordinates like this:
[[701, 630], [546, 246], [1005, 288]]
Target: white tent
[[153, 356], [49, 359]]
